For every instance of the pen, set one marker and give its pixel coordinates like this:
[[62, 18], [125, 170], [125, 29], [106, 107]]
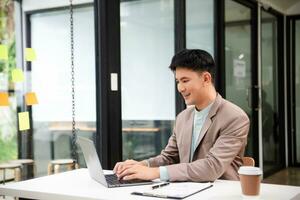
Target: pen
[[160, 185]]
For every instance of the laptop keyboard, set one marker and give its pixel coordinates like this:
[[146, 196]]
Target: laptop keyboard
[[112, 179]]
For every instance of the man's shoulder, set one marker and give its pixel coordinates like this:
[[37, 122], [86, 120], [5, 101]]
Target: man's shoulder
[[186, 112]]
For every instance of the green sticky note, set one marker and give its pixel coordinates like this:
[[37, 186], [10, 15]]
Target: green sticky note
[[17, 75], [3, 52], [30, 54], [23, 121]]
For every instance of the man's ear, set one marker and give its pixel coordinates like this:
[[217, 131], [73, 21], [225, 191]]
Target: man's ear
[[207, 77]]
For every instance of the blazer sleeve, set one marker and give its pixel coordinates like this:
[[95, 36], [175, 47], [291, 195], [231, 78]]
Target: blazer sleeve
[[227, 146], [169, 155]]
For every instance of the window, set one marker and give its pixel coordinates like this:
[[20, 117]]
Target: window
[[51, 80], [148, 90]]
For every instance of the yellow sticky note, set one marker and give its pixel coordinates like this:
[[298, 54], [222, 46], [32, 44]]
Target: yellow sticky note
[[3, 52], [17, 75], [30, 54], [23, 121], [30, 99], [4, 99]]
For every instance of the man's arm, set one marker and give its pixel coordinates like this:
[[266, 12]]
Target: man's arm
[[230, 142], [149, 168], [168, 156]]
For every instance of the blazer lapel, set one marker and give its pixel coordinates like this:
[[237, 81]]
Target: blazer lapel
[[209, 118], [187, 139]]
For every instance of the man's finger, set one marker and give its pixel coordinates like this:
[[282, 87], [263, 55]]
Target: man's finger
[[126, 172], [130, 177], [124, 167], [117, 166]]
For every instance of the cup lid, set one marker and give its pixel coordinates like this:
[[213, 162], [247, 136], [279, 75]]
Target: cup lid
[[248, 170]]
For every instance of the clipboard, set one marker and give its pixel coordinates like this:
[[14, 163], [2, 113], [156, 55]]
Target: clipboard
[[175, 190]]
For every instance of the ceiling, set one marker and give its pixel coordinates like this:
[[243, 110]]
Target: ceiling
[[281, 5], [284, 4]]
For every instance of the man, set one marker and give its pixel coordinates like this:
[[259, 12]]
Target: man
[[208, 139]]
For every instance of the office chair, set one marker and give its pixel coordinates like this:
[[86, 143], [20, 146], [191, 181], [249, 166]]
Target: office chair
[[248, 161]]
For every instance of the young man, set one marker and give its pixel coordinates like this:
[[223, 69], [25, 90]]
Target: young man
[[208, 139]]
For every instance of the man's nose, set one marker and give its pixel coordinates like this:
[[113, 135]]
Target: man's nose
[[180, 88]]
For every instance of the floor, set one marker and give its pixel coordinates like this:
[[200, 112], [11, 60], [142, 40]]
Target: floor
[[288, 176]]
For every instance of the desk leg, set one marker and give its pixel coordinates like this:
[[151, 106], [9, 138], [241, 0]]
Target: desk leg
[[56, 169], [50, 169], [158, 147], [4, 177], [52, 146], [17, 174]]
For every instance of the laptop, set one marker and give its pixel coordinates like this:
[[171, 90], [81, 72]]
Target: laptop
[[95, 168]]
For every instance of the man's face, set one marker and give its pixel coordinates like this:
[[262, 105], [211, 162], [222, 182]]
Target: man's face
[[191, 85]]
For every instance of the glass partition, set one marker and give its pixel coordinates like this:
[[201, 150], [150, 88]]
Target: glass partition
[[200, 25], [50, 79], [148, 86], [269, 67], [238, 65], [297, 87]]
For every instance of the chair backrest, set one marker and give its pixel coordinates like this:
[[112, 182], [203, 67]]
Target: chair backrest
[[248, 161]]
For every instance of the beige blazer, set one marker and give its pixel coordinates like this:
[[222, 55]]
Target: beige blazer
[[220, 146]]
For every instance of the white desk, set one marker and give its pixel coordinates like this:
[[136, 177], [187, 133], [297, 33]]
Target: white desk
[[77, 185]]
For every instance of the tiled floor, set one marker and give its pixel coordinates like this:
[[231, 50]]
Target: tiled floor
[[288, 176]]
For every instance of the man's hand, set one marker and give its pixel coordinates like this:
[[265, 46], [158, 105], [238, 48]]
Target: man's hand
[[121, 166], [139, 172]]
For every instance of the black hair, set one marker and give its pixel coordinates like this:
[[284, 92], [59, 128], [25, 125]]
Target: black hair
[[194, 59]]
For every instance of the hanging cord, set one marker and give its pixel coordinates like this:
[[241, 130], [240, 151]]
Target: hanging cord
[[74, 136]]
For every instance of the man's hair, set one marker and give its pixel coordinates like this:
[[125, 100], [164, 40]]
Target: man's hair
[[194, 59]]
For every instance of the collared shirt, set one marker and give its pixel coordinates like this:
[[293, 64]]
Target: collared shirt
[[199, 119]]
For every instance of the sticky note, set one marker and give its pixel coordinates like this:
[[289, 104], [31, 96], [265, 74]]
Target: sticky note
[[30, 54], [4, 99], [3, 52], [30, 99], [17, 75], [23, 121]]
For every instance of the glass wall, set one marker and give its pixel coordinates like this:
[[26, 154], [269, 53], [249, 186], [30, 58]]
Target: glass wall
[[238, 60], [269, 65], [148, 86], [200, 25], [297, 87], [50, 79]]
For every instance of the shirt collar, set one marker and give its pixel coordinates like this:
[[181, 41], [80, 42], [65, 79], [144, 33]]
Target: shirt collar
[[204, 111]]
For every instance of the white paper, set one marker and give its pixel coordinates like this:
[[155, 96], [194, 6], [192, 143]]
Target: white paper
[[178, 190], [239, 68]]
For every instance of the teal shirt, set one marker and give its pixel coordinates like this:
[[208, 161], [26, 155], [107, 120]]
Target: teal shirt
[[199, 119]]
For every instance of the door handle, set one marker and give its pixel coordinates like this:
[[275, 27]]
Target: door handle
[[248, 97], [258, 106]]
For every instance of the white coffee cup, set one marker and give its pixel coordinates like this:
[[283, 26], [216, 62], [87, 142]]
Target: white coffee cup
[[250, 178]]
